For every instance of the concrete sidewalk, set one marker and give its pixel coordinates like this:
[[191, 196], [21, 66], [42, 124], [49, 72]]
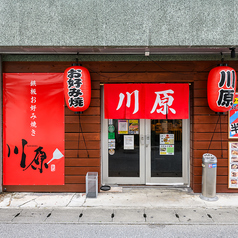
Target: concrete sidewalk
[[119, 206]]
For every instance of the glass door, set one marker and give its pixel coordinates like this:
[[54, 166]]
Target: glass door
[[123, 152], [166, 152]]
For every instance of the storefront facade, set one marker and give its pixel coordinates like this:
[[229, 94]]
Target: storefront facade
[[165, 43], [87, 147]]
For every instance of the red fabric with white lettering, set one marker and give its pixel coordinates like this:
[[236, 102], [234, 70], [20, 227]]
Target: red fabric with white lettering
[[33, 129], [146, 101]]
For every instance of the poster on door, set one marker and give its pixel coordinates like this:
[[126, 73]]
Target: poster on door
[[166, 149], [111, 144], [134, 127], [166, 139], [128, 142], [33, 129], [122, 126]]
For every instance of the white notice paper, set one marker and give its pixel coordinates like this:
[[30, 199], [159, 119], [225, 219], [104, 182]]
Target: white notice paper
[[128, 142]]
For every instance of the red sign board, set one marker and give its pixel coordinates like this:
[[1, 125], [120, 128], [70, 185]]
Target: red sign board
[[233, 119], [33, 129], [146, 101]]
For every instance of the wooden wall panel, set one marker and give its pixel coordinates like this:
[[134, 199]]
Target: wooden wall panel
[[208, 136]]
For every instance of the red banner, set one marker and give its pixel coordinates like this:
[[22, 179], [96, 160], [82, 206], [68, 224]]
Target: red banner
[[33, 129], [146, 101]]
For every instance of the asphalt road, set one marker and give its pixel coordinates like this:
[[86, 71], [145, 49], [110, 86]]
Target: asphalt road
[[117, 231]]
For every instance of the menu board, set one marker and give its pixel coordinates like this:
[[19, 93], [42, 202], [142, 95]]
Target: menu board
[[233, 165]]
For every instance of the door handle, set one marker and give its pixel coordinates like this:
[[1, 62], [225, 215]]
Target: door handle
[[147, 140], [142, 139]]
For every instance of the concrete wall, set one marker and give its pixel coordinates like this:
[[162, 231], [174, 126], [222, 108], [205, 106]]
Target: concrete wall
[[118, 23]]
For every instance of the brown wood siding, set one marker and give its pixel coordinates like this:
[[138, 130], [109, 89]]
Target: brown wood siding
[[82, 144]]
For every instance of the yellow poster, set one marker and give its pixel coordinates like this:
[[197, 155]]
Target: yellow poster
[[122, 126]]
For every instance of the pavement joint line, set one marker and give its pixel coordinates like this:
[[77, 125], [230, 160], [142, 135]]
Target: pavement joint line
[[10, 200], [33, 199], [147, 199], [85, 199], [71, 200]]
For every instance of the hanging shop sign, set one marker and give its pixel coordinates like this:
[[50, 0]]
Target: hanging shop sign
[[33, 129], [77, 88], [146, 101], [221, 87], [233, 119]]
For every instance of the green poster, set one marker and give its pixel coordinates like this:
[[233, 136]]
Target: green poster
[[111, 135]]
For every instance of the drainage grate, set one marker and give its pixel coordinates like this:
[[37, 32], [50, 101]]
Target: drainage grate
[[17, 214], [209, 216]]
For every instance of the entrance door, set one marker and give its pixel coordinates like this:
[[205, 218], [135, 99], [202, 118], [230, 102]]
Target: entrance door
[[145, 152], [166, 152]]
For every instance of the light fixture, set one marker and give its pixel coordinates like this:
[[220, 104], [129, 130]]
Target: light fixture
[[233, 53]]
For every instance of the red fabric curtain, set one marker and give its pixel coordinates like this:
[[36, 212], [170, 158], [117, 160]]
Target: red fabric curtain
[[146, 101]]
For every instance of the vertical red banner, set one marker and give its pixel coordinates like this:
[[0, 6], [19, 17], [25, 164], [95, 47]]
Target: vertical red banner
[[33, 129]]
